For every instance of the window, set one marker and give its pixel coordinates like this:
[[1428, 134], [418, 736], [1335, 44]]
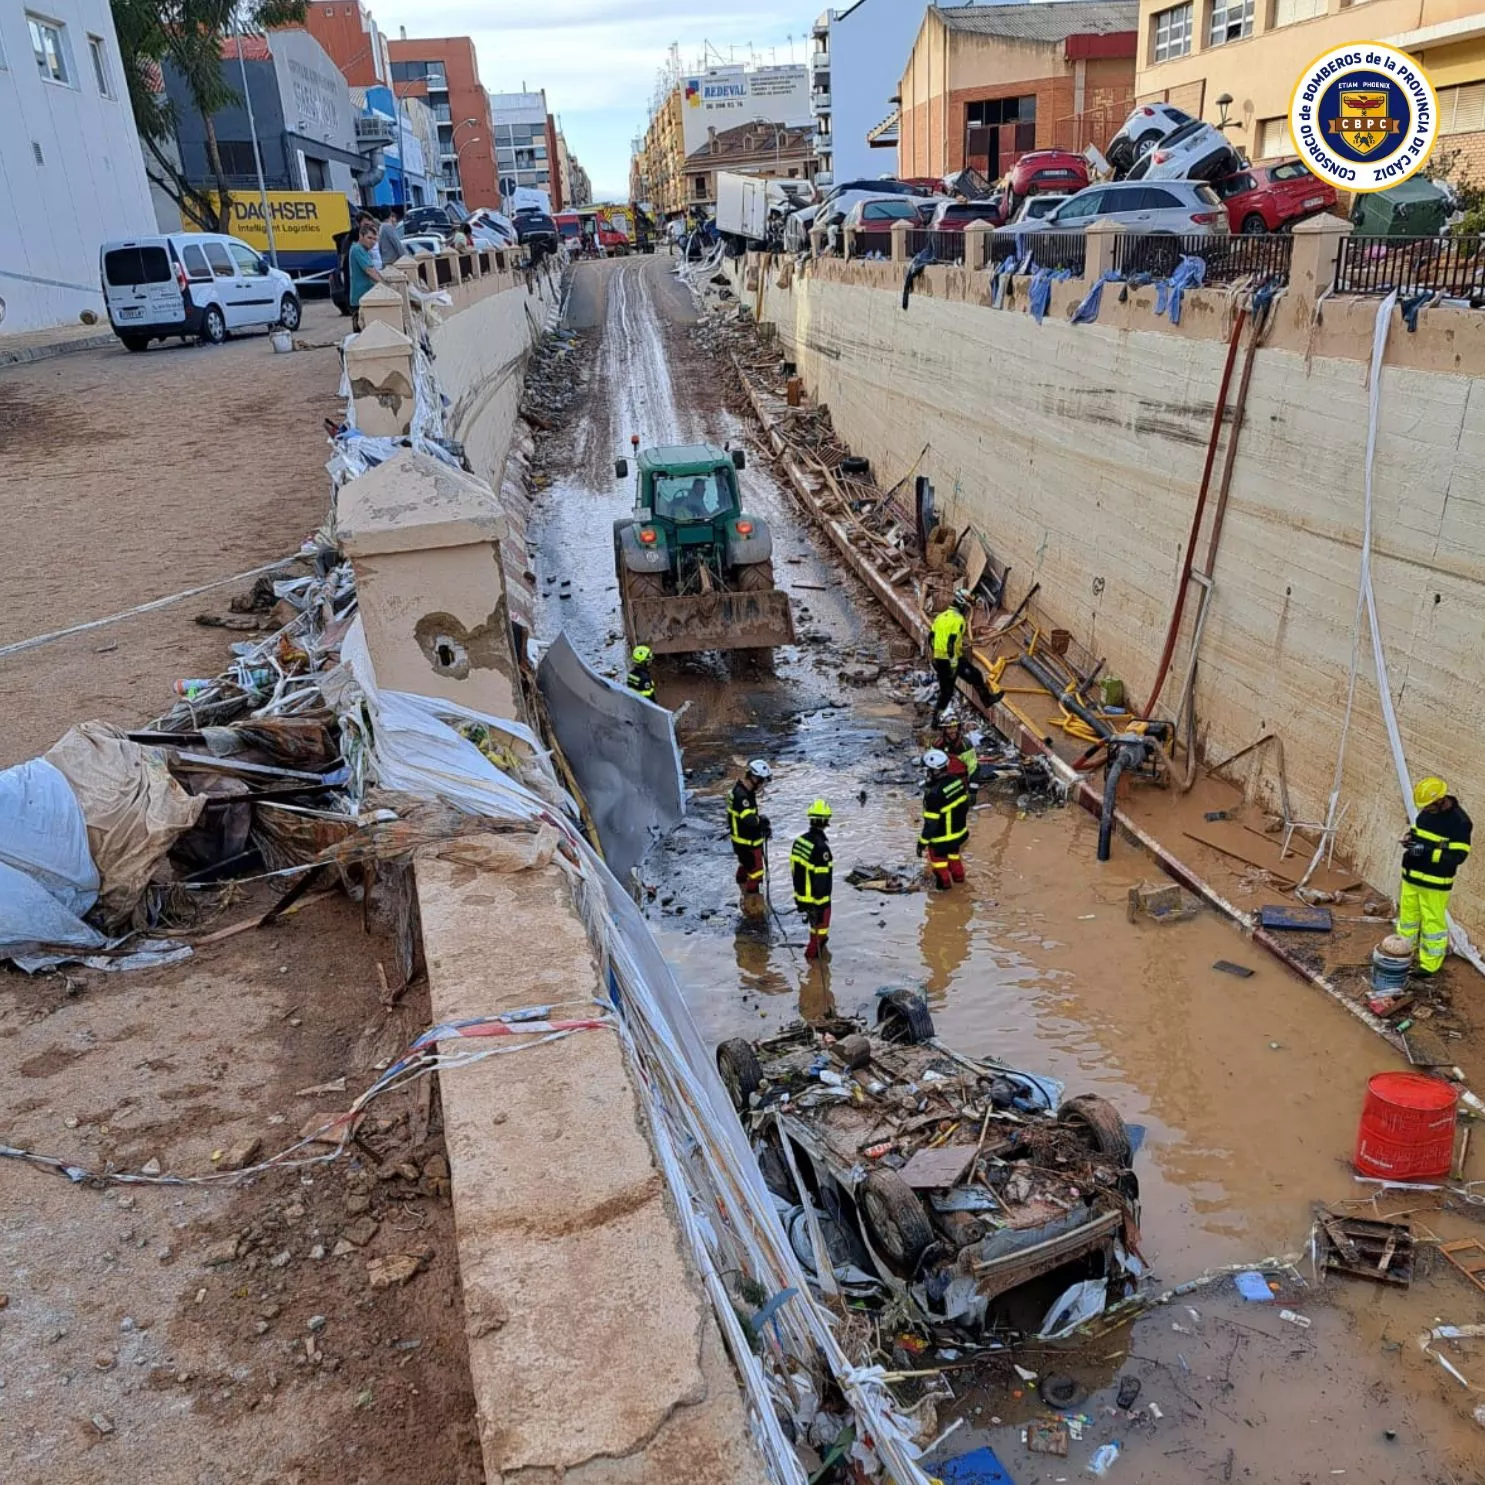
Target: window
[[1231, 21], [237, 157], [249, 264], [195, 261], [1171, 33], [1294, 170], [1085, 204], [434, 72], [991, 111], [409, 71], [98, 50], [221, 264], [1234, 185], [316, 175], [1462, 109], [1273, 138], [1287, 12], [50, 46], [1152, 198], [137, 265], [698, 188]]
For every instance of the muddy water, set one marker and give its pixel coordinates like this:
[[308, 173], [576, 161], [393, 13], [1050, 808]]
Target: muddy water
[[1248, 1090]]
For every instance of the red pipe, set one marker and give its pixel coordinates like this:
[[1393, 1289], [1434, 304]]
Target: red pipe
[[1201, 505]]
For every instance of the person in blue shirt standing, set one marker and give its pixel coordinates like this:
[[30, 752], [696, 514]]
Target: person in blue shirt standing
[[363, 271]]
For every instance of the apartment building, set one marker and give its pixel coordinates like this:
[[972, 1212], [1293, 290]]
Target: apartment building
[[444, 72], [1236, 61], [348, 32], [773, 150], [525, 145]]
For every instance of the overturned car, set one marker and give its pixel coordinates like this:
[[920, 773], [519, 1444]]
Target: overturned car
[[907, 1169]]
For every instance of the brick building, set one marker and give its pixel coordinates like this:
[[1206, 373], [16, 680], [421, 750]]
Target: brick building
[[348, 32], [985, 84], [445, 73], [775, 150]]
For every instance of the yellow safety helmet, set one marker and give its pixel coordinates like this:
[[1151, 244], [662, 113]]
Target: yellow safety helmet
[[641, 655], [1429, 791], [819, 810]]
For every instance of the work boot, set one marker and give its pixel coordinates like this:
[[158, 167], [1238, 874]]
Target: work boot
[[753, 907]]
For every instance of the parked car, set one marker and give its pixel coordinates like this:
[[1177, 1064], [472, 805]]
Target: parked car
[[1195, 151], [423, 219], [833, 206], [1046, 170], [1267, 198], [494, 225], [872, 218], [1034, 208], [193, 285], [1142, 131], [955, 216], [538, 232], [423, 242], [1173, 207], [1033, 1224]]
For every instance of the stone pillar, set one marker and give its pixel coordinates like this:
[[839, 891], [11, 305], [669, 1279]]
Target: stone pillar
[[379, 366], [977, 237], [817, 242], [848, 242], [1317, 241], [1102, 235], [381, 304], [400, 277], [439, 581], [900, 250]]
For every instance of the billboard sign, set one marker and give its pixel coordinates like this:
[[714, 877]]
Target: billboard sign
[[727, 96], [304, 225]]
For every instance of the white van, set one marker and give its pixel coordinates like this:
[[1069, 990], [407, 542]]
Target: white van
[[192, 284]]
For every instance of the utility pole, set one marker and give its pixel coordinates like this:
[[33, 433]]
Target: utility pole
[[247, 98]]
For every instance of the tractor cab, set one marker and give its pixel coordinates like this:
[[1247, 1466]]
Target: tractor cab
[[686, 485]]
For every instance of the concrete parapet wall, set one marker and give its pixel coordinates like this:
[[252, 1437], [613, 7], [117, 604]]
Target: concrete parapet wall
[[1077, 452]]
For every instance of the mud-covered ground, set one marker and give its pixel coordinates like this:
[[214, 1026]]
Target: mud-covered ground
[[1248, 1090]]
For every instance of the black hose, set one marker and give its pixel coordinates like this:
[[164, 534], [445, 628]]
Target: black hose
[[1118, 762], [1048, 678]]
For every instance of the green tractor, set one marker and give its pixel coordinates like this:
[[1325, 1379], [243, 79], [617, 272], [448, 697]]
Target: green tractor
[[695, 572]]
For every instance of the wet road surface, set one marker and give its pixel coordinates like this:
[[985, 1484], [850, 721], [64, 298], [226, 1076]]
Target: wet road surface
[[1248, 1090]]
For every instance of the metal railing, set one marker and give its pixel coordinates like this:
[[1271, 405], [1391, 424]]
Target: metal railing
[[948, 247], [1052, 250], [1257, 255], [1377, 265]]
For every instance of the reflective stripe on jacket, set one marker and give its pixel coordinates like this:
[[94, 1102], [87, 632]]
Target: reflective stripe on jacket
[[744, 823], [812, 866], [948, 634], [1437, 845], [639, 682], [945, 811]]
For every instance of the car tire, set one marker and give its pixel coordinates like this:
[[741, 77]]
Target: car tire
[[135, 342], [213, 326], [894, 1220], [740, 1071], [902, 1016], [290, 313], [1145, 143], [1097, 1124], [1254, 225]]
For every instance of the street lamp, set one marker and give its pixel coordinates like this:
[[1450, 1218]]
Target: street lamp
[[459, 149], [776, 129]]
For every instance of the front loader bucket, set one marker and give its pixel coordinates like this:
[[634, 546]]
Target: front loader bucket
[[752, 620]]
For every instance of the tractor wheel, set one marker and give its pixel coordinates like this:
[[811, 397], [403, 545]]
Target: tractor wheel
[[756, 577], [895, 1220], [1097, 1124]]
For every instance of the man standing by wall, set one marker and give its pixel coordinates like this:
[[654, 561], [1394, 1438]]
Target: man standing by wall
[[389, 238], [1432, 852], [362, 269]]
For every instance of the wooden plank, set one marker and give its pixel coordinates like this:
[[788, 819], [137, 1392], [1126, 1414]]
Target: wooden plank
[[933, 1170]]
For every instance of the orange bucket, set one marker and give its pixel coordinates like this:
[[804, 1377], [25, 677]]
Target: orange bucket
[[1407, 1128]]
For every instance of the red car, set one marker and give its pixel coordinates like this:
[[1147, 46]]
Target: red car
[[1047, 170], [1267, 198]]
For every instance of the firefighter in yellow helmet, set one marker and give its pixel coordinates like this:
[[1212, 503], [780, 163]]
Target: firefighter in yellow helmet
[[950, 641], [813, 870], [1433, 850], [639, 679]]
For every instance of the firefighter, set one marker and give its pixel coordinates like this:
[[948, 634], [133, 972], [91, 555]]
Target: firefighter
[[950, 636], [963, 750], [945, 820], [1432, 852], [639, 680], [811, 864], [750, 832]]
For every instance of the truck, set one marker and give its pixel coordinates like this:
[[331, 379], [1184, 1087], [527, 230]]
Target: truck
[[751, 210], [695, 570]]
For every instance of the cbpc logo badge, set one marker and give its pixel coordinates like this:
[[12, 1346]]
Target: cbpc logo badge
[[1364, 116]]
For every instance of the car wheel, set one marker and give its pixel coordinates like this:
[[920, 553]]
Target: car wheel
[[1097, 1124], [902, 1016], [213, 326], [135, 342], [1254, 225], [741, 1072], [1145, 143], [895, 1222], [289, 313]]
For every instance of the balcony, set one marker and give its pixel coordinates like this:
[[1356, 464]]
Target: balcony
[[374, 131], [820, 102], [824, 177], [820, 61]]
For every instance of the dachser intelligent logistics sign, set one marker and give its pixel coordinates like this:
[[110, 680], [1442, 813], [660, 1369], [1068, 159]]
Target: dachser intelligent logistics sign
[[1364, 116], [303, 221]]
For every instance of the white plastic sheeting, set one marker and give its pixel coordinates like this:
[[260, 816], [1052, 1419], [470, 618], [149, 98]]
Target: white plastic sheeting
[[725, 1211]]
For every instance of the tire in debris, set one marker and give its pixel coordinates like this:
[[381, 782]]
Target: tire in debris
[[854, 1051], [741, 1072], [895, 1222], [902, 1016], [755, 577], [1097, 1124]]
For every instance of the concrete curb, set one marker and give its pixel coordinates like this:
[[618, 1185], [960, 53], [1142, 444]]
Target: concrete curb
[[24, 355]]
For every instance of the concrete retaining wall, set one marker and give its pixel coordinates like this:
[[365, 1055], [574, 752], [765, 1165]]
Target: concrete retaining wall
[[1077, 451]]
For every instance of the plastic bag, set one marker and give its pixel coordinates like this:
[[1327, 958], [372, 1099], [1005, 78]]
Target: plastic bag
[[43, 834]]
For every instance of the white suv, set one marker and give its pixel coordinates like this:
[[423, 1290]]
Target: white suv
[[194, 285], [1142, 131]]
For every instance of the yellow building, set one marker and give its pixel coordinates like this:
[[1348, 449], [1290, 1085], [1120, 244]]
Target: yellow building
[[658, 169], [1252, 52]]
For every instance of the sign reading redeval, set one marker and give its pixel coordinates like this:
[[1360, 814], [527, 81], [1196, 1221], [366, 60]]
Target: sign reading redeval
[[304, 222]]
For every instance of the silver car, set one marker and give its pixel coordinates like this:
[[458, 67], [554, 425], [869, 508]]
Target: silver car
[[1183, 208], [1034, 208]]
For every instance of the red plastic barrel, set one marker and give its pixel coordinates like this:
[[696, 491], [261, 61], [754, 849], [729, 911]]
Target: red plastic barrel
[[1407, 1128]]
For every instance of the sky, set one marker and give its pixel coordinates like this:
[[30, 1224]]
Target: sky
[[597, 59]]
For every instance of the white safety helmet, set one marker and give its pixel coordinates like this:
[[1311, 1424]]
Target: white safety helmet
[[760, 770], [975, 739], [950, 715], [935, 758]]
